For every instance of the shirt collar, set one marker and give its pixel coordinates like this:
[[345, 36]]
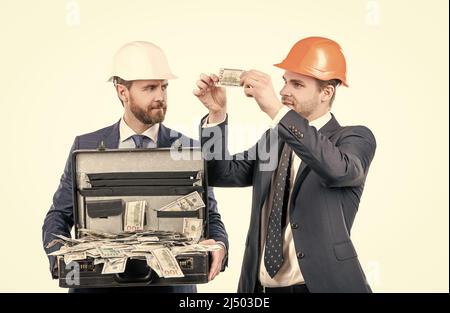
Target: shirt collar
[[125, 132], [318, 123]]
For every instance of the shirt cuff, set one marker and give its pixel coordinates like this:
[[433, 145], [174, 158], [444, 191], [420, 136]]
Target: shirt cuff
[[281, 113], [205, 123], [224, 246]]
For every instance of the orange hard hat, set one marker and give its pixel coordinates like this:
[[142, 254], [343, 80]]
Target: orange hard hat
[[319, 57]]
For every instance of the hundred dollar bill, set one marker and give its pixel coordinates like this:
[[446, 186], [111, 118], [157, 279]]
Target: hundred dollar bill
[[54, 242], [147, 248], [190, 202], [195, 248], [114, 266], [109, 252], [192, 228], [134, 215], [74, 257], [148, 239], [230, 77], [153, 263], [99, 261], [167, 262]]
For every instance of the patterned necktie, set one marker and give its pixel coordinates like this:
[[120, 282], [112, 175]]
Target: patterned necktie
[[273, 256], [139, 140]]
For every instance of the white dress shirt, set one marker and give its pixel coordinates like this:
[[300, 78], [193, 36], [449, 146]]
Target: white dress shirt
[[125, 133]]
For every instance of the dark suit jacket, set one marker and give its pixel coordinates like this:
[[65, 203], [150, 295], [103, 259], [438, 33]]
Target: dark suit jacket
[[59, 219], [324, 202]]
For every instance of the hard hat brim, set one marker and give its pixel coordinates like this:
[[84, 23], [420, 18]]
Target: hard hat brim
[[167, 76], [309, 73]]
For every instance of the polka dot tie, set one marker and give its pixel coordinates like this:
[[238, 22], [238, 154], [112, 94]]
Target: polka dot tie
[[273, 256]]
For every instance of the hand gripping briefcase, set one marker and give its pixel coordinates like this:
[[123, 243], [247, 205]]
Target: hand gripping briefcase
[[106, 181]]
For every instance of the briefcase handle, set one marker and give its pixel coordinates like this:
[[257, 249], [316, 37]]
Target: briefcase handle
[[122, 279], [137, 271]]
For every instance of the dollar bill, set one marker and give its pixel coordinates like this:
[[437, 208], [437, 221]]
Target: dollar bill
[[68, 258], [167, 262], [193, 228], [147, 248], [190, 202], [154, 265], [93, 253], [195, 248], [66, 239], [134, 215], [54, 242], [109, 252], [141, 245], [148, 239], [99, 261], [114, 266], [230, 77]]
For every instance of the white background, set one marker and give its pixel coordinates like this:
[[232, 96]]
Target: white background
[[55, 58]]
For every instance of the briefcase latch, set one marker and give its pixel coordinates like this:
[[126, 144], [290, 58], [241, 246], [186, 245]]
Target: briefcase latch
[[101, 146], [186, 263]]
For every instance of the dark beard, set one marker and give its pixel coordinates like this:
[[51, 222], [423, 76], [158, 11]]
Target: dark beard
[[145, 117]]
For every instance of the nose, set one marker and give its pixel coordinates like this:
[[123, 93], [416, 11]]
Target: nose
[[160, 94], [284, 91]]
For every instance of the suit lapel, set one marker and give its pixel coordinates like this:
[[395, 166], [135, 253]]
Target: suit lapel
[[164, 139], [111, 139]]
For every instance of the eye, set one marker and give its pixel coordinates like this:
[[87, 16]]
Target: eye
[[149, 88], [164, 87], [297, 85]]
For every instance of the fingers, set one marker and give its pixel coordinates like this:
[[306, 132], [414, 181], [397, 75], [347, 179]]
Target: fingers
[[250, 83], [215, 265], [215, 78], [207, 79], [197, 92], [204, 83], [257, 75]]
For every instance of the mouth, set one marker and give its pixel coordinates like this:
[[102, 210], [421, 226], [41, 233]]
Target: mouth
[[157, 108]]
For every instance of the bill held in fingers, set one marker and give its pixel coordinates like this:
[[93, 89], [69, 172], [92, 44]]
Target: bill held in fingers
[[230, 77]]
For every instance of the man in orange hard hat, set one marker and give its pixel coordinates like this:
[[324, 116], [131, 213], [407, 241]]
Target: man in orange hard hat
[[304, 206]]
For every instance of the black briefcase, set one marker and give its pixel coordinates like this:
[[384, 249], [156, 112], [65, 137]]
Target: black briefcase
[[105, 179]]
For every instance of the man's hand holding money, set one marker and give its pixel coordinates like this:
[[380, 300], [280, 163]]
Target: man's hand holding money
[[213, 97], [259, 86], [256, 84]]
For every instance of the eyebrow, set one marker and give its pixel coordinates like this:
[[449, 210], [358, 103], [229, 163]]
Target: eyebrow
[[155, 85], [294, 80]]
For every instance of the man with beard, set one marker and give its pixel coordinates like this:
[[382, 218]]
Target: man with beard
[[305, 204], [140, 76]]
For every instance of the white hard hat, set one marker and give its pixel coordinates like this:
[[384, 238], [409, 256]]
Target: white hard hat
[[138, 60]]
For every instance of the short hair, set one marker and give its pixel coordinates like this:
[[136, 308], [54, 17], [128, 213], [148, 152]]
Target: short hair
[[126, 83], [321, 84]]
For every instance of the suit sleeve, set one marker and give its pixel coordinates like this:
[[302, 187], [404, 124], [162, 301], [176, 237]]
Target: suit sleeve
[[344, 164], [217, 229], [223, 169], [59, 219]]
